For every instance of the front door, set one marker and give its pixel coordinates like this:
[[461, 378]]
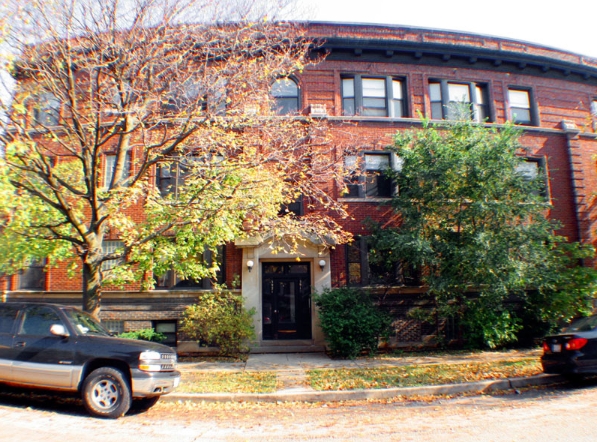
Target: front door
[[286, 300]]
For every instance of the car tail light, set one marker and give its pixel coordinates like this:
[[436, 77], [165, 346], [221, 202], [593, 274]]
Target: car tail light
[[546, 348], [575, 343]]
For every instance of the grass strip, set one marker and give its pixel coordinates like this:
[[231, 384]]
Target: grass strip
[[228, 382], [416, 375]]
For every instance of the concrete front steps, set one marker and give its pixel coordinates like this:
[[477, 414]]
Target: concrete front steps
[[287, 346]]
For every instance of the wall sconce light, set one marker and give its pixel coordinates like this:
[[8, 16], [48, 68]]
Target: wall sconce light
[[321, 264], [250, 265]]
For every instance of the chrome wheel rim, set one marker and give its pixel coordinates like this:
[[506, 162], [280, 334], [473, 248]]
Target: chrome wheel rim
[[105, 394]]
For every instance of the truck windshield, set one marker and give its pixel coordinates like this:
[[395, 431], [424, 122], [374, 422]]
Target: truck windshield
[[85, 324]]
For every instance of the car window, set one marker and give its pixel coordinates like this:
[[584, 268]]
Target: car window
[[85, 324], [38, 320], [584, 324], [8, 314]]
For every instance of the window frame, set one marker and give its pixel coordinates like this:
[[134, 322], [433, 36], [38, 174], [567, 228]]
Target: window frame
[[115, 326], [111, 246], [171, 336], [367, 278], [295, 98], [33, 317], [541, 163], [297, 207], [171, 281], [32, 271], [593, 107], [532, 109], [480, 109], [44, 112], [358, 97], [360, 180], [108, 174]]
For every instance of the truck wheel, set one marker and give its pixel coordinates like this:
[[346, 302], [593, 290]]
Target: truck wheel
[[106, 393]]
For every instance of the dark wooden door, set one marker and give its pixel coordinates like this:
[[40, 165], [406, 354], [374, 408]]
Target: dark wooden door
[[286, 300]]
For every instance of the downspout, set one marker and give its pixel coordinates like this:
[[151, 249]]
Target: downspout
[[578, 189]]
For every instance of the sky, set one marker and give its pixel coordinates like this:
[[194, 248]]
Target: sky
[[571, 25]]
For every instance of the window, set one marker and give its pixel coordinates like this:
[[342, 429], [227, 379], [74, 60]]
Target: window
[[38, 320], [364, 270], [456, 101], [122, 99], [33, 276], [186, 95], [114, 327], [170, 177], [368, 178], [521, 111], [533, 169], [110, 166], [167, 328], [109, 247], [295, 207], [285, 93], [375, 97], [170, 280], [193, 95], [47, 110], [8, 316]]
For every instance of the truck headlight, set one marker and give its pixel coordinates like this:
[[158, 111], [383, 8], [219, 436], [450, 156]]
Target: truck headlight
[[150, 361]]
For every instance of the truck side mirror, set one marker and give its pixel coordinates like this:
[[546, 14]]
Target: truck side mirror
[[59, 330]]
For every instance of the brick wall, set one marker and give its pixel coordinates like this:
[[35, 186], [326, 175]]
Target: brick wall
[[563, 86]]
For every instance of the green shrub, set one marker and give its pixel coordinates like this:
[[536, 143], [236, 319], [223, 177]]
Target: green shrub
[[220, 318], [351, 321], [145, 334]]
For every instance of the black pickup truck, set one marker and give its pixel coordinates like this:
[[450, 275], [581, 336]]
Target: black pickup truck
[[61, 348]]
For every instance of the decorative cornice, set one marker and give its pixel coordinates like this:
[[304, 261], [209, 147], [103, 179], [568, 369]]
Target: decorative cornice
[[437, 47]]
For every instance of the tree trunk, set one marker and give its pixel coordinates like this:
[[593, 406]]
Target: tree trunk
[[92, 289]]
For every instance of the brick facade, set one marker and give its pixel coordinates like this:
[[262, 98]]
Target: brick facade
[[562, 87]]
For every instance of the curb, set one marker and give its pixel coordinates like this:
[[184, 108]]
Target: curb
[[302, 395]]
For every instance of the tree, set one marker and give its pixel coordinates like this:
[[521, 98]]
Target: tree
[[476, 226], [143, 122]]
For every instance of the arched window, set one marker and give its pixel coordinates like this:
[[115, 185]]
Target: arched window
[[285, 93]]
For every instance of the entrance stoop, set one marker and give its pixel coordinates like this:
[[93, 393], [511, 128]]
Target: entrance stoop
[[288, 346]]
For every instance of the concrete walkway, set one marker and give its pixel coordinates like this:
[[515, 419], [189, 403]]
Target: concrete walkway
[[291, 374]]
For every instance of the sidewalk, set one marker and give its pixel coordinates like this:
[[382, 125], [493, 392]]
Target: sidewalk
[[291, 369]]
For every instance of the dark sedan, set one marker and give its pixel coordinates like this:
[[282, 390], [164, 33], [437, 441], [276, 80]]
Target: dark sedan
[[574, 350]]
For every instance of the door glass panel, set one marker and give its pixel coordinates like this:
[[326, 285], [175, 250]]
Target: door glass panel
[[287, 303], [273, 268], [302, 268]]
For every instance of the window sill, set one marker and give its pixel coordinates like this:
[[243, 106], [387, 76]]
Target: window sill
[[365, 200]]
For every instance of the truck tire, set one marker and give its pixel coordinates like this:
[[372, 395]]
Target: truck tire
[[106, 393]]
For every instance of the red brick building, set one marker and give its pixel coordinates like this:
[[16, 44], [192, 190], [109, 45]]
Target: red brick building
[[374, 81]]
